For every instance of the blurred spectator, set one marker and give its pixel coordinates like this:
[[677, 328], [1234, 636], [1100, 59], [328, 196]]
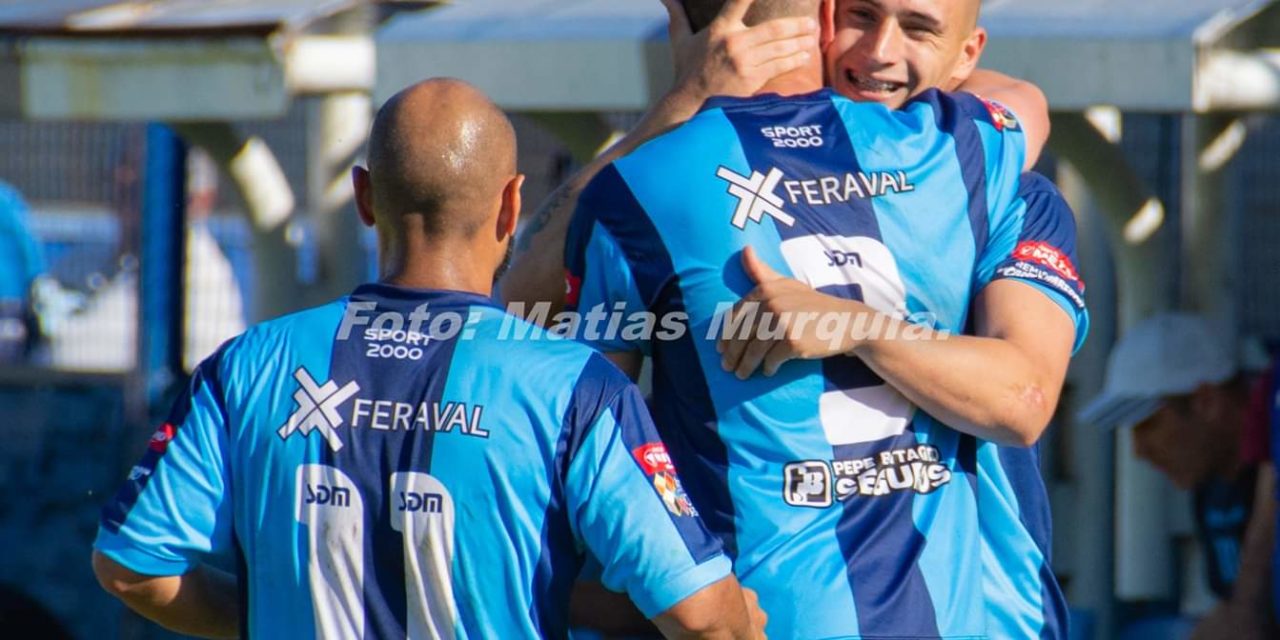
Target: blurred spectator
[[213, 308], [1205, 424], [21, 262]]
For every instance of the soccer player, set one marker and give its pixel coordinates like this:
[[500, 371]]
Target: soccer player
[[388, 465], [824, 480], [889, 52]]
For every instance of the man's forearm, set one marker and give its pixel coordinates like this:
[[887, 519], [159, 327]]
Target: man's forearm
[[537, 268], [985, 387], [204, 602]]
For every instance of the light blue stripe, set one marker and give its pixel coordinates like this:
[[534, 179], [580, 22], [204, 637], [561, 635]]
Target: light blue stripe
[[761, 417], [258, 381], [508, 470], [949, 520], [1010, 558], [926, 230]]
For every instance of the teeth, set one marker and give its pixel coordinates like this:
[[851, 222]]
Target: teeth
[[871, 85]]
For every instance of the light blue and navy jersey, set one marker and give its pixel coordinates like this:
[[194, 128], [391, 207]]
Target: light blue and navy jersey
[[1024, 598], [849, 511], [405, 462]]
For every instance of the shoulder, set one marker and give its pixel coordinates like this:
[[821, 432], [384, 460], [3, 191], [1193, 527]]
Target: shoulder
[[948, 109], [1032, 184], [270, 339], [528, 348]]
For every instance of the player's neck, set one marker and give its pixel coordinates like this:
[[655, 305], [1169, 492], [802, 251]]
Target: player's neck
[[446, 268], [806, 79]]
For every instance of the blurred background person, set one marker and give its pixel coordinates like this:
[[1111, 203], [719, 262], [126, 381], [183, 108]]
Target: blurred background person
[[21, 262], [1205, 424]]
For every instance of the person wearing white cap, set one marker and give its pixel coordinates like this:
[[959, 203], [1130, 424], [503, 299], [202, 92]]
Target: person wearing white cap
[[1205, 424]]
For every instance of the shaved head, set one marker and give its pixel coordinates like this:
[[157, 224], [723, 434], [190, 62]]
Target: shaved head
[[702, 12], [441, 150]]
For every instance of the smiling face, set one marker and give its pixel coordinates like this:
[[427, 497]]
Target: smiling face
[[888, 51]]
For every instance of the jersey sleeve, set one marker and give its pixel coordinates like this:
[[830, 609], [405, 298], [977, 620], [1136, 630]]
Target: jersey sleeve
[[1035, 242], [598, 277], [626, 503], [175, 508]]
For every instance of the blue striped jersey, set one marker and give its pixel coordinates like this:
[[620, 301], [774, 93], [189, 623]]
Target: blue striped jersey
[[411, 463], [1024, 597], [849, 511]]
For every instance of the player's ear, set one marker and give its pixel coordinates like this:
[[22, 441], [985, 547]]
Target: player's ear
[[509, 212], [826, 24], [364, 194], [970, 53]]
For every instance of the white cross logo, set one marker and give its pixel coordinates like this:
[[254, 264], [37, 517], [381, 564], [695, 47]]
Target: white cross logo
[[318, 408], [755, 196]]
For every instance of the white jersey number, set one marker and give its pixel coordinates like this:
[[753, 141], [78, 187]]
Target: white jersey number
[[333, 511], [865, 265]]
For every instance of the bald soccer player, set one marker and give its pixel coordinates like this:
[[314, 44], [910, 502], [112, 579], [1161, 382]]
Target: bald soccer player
[[388, 465]]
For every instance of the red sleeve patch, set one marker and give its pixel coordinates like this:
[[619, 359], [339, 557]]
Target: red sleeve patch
[[1046, 254], [1001, 116], [161, 438], [653, 458], [572, 288]]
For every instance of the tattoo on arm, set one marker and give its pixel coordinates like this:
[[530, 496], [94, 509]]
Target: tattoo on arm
[[557, 200]]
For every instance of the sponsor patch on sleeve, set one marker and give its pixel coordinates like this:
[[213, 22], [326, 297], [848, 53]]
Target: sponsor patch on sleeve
[[1048, 255], [656, 463], [1001, 116], [1043, 263], [161, 438], [572, 288]]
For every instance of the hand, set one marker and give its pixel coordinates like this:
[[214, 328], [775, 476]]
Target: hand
[[732, 59], [795, 320], [759, 619]]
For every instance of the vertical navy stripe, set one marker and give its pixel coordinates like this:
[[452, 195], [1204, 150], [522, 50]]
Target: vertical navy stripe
[[370, 456], [967, 461], [954, 116], [685, 415], [1022, 468], [1054, 605], [242, 585], [877, 536], [559, 562]]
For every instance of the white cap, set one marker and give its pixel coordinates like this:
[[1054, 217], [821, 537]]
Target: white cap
[[1165, 355]]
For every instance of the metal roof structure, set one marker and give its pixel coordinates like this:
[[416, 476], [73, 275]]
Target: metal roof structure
[[1150, 55], [181, 60]]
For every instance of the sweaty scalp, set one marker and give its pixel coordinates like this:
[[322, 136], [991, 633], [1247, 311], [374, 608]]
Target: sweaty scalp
[[442, 150], [702, 12]]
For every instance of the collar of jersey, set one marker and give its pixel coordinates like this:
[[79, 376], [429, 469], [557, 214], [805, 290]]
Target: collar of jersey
[[721, 102], [437, 297]]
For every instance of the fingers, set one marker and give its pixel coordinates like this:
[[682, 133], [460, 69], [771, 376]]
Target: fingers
[[677, 21], [752, 356], [780, 353], [777, 67], [734, 11], [758, 270], [780, 30]]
